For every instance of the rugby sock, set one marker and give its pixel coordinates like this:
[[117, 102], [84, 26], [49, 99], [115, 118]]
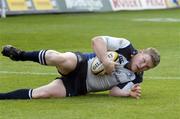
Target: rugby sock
[[17, 94], [36, 56]]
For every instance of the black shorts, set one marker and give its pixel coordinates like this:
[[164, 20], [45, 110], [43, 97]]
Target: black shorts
[[75, 82]]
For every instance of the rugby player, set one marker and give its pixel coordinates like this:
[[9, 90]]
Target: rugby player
[[121, 79]]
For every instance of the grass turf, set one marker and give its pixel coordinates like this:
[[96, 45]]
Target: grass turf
[[72, 32]]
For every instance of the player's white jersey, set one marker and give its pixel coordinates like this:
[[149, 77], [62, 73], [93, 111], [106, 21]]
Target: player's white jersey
[[105, 82], [121, 75]]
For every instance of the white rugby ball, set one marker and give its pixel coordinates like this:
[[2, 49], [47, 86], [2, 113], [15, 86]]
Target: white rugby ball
[[97, 67]]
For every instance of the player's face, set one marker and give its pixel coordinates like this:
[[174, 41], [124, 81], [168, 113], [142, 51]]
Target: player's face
[[141, 62]]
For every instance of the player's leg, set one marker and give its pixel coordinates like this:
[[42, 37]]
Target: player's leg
[[17, 94], [65, 62], [54, 89]]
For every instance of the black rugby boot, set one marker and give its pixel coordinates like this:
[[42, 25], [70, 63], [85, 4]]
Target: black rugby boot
[[12, 52]]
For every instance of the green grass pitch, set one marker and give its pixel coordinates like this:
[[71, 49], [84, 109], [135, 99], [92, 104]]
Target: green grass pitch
[[73, 32]]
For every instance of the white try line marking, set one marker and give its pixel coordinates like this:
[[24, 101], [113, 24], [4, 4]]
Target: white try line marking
[[26, 73], [41, 73], [162, 77]]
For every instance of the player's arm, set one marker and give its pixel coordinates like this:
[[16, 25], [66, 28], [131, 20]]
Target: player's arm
[[102, 44], [100, 48], [129, 90]]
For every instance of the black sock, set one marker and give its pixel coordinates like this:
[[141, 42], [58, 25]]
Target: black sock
[[36, 56], [17, 94]]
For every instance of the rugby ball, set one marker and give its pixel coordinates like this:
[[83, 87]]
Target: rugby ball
[[97, 67]]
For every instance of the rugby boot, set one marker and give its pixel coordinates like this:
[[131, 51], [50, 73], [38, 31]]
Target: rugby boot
[[11, 52]]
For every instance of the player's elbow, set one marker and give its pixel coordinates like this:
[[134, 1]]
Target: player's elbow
[[97, 40]]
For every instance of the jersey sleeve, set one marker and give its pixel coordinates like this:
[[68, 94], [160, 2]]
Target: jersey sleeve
[[114, 43], [128, 85], [120, 45]]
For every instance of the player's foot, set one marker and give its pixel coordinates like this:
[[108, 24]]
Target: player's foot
[[11, 52]]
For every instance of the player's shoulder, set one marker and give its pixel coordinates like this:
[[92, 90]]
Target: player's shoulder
[[127, 51]]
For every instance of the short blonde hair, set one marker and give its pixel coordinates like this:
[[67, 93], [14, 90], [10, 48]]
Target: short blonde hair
[[155, 55]]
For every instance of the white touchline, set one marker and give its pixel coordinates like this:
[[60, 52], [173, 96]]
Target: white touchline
[[157, 19], [43, 73]]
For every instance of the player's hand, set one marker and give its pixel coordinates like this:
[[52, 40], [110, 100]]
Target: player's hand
[[136, 91], [109, 66]]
